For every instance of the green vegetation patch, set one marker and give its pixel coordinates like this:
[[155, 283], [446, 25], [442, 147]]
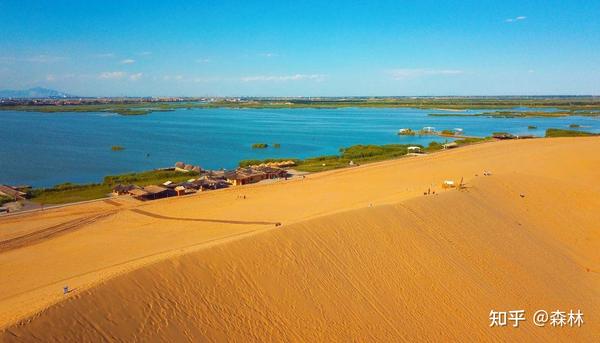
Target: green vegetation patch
[[149, 177], [521, 114], [5, 199], [117, 148], [434, 146], [472, 140], [584, 106], [260, 146], [568, 133], [70, 192], [131, 112], [357, 154]]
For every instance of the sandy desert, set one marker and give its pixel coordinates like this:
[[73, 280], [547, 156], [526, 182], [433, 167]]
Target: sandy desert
[[361, 255]]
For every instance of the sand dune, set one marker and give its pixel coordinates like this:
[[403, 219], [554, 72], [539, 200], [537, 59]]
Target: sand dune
[[362, 255]]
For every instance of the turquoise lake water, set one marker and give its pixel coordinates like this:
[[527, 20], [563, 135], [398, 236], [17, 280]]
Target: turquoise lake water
[[44, 149]]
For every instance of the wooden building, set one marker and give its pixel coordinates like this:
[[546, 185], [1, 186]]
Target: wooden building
[[152, 192], [244, 176]]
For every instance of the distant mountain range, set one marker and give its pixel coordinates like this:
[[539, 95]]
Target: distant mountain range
[[37, 92]]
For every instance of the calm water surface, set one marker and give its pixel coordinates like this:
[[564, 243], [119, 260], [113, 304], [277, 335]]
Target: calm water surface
[[44, 149]]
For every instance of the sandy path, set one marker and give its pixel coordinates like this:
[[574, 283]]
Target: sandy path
[[39, 236]]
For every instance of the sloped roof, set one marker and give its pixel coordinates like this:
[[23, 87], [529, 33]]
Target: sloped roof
[[10, 191], [153, 189]]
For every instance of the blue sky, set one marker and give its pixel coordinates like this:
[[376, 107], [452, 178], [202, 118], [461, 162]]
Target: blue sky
[[301, 48]]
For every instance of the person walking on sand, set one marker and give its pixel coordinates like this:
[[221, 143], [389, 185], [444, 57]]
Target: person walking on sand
[[65, 290]]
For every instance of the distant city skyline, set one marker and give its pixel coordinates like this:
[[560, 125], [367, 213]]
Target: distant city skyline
[[308, 48]]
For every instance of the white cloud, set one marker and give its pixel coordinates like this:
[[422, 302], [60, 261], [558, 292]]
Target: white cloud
[[202, 60], [295, 77], [112, 75], [407, 73], [60, 77], [119, 75], [206, 79], [105, 55], [44, 59], [128, 61], [268, 54], [172, 77], [145, 53], [519, 18], [32, 59], [136, 76]]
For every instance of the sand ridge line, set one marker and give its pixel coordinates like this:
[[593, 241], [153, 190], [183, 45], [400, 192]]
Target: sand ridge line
[[52, 231], [242, 222]]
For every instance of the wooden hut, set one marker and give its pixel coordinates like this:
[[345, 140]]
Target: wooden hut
[[272, 172], [244, 176], [151, 192], [122, 189]]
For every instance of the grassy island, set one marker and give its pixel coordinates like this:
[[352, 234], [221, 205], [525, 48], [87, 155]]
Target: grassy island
[[406, 132], [260, 146], [117, 148]]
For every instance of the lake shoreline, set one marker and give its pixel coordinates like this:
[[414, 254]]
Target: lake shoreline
[[143, 106], [218, 138]]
